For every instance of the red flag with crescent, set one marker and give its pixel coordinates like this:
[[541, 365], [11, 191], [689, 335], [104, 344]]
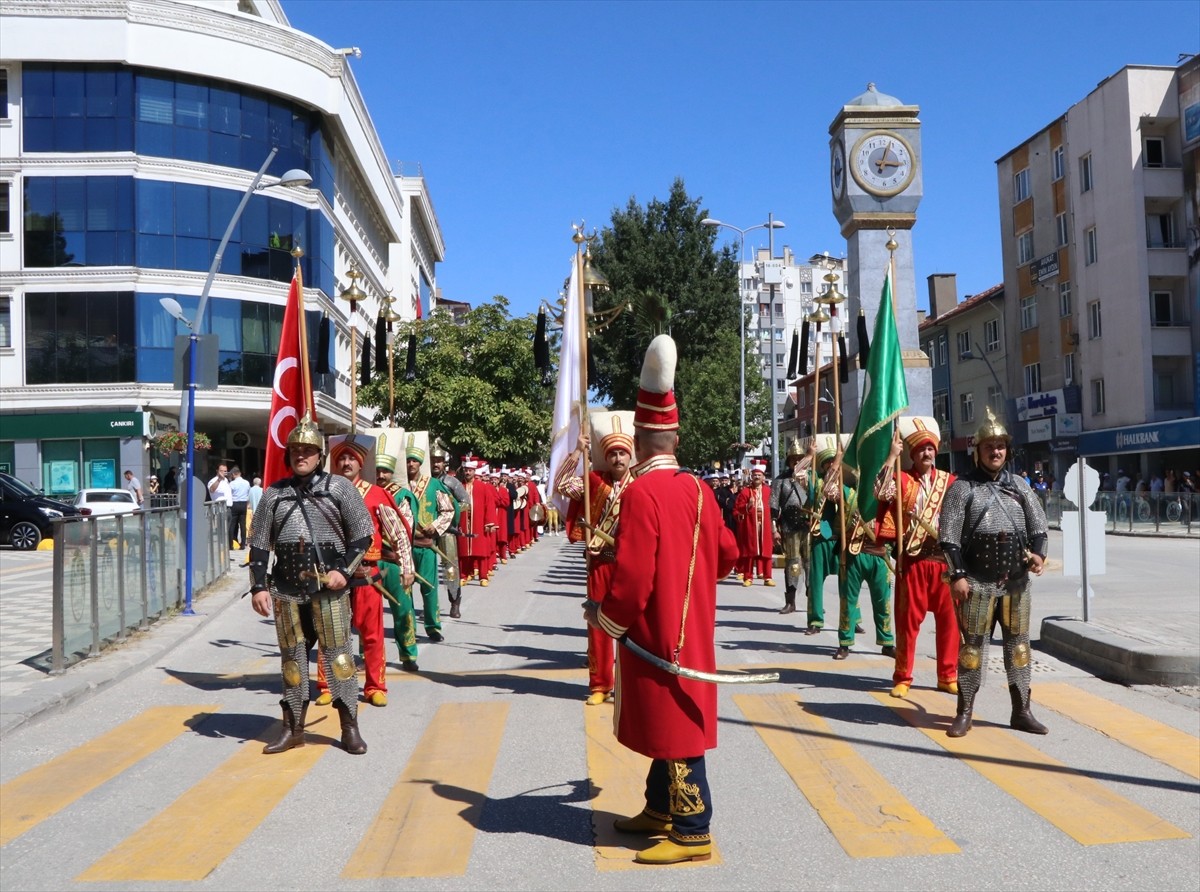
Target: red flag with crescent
[[289, 398]]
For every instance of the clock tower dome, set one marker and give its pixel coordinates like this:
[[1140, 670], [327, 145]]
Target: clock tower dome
[[875, 177]]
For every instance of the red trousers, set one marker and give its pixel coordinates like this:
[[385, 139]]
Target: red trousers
[[366, 615], [747, 564], [602, 647], [921, 590]]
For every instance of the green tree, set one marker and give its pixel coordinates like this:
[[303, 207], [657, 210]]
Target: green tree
[[476, 386], [662, 262]]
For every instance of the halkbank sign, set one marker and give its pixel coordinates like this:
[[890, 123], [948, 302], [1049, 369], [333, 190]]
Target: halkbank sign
[[1183, 433]]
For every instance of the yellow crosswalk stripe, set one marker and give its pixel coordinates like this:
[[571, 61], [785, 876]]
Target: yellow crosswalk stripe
[[618, 779], [867, 816], [37, 794], [426, 826], [1158, 741], [196, 833], [1080, 807]]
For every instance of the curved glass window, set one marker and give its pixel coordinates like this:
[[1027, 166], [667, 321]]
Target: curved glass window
[[114, 108], [122, 221], [123, 337]]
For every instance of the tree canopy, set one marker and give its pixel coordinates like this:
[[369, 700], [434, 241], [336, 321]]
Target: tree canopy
[[475, 386], [662, 262]]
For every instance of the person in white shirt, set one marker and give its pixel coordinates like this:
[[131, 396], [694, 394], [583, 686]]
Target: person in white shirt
[[239, 493], [134, 486]]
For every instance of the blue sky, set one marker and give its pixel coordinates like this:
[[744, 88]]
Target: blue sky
[[528, 116]]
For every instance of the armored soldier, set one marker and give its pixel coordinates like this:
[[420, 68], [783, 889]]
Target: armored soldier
[[993, 533], [439, 456], [789, 495], [320, 529]]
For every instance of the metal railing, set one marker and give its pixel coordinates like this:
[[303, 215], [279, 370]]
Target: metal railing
[[119, 572], [1150, 513]]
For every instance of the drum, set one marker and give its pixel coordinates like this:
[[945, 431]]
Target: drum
[[537, 514]]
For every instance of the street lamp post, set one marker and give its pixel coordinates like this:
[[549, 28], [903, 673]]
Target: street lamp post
[[291, 178], [978, 353], [771, 224]]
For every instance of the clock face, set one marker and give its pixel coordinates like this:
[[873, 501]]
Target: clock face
[[882, 163], [837, 169]]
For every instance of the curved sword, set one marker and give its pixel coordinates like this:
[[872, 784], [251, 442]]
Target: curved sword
[[696, 674]]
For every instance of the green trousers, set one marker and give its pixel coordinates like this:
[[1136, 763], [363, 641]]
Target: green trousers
[[823, 562], [425, 561], [403, 624], [872, 570]]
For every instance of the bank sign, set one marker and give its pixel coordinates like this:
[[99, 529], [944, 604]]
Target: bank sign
[[1181, 434]]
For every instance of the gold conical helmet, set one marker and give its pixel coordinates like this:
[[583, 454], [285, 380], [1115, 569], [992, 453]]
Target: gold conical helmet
[[991, 429], [306, 433]]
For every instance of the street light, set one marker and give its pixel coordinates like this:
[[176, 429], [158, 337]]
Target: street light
[[978, 353], [290, 179], [770, 225]]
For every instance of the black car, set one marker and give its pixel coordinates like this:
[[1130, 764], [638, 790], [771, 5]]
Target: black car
[[26, 514]]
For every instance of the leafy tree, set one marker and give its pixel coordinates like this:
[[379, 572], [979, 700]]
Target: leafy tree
[[476, 386], [662, 262]]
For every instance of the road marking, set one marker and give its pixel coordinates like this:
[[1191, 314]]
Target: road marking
[[1158, 741], [1080, 807], [426, 826], [44, 791], [194, 835], [867, 816]]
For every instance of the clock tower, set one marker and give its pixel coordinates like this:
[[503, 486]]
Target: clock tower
[[875, 178]]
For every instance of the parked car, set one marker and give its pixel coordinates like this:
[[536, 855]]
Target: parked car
[[26, 514], [106, 501]]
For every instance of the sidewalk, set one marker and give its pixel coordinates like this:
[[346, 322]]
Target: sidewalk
[[27, 693], [1143, 628]]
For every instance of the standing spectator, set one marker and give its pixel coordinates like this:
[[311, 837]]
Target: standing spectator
[[152, 484], [219, 491], [134, 486], [1188, 483], [1170, 483], [239, 494], [672, 547], [169, 483], [1123, 480], [256, 492]]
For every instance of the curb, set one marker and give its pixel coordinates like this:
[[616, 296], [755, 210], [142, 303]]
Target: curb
[[1116, 657], [141, 649]]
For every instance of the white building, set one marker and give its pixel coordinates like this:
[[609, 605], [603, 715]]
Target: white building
[[129, 132], [1100, 313]]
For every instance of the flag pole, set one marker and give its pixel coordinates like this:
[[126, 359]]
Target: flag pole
[[306, 372], [837, 426], [891, 274], [580, 239]]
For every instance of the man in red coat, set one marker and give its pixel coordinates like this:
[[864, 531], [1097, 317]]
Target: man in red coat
[[755, 536], [605, 489], [474, 523], [921, 586], [672, 547]]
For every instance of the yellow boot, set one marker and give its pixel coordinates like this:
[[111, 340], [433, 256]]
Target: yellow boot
[[669, 852], [595, 698], [950, 687], [324, 698], [900, 690]]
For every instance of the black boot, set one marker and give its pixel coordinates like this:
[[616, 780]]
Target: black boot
[[454, 611], [352, 741], [1022, 716], [291, 731], [789, 600], [962, 720]]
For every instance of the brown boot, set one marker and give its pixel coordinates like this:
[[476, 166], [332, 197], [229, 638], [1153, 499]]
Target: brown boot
[[962, 721], [1022, 716], [454, 611], [789, 600], [291, 731], [352, 741]]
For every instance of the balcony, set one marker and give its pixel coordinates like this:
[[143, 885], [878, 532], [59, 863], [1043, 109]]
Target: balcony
[[1162, 182]]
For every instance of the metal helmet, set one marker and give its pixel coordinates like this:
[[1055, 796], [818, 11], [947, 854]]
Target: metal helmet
[[992, 428], [794, 449], [306, 433]]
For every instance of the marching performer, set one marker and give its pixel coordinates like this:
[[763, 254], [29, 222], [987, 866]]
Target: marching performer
[[994, 534], [824, 556], [756, 541], [474, 522], [789, 496], [397, 584], [864, 563], [433, 515], [439, 458]]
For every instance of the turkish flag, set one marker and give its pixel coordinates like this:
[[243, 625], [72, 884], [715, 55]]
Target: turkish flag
[[292, 389]]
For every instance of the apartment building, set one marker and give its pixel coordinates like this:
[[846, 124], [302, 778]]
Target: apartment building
[[1098, 230]]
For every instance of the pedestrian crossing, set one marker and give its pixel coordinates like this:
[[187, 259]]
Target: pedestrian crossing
[[435, 795]]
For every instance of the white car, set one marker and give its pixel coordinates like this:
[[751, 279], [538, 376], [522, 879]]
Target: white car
[[106, 501]]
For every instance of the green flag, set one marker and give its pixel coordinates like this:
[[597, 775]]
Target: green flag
[[886, 400]]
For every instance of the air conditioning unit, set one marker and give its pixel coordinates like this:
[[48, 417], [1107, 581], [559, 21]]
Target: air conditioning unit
[[239, 439]]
